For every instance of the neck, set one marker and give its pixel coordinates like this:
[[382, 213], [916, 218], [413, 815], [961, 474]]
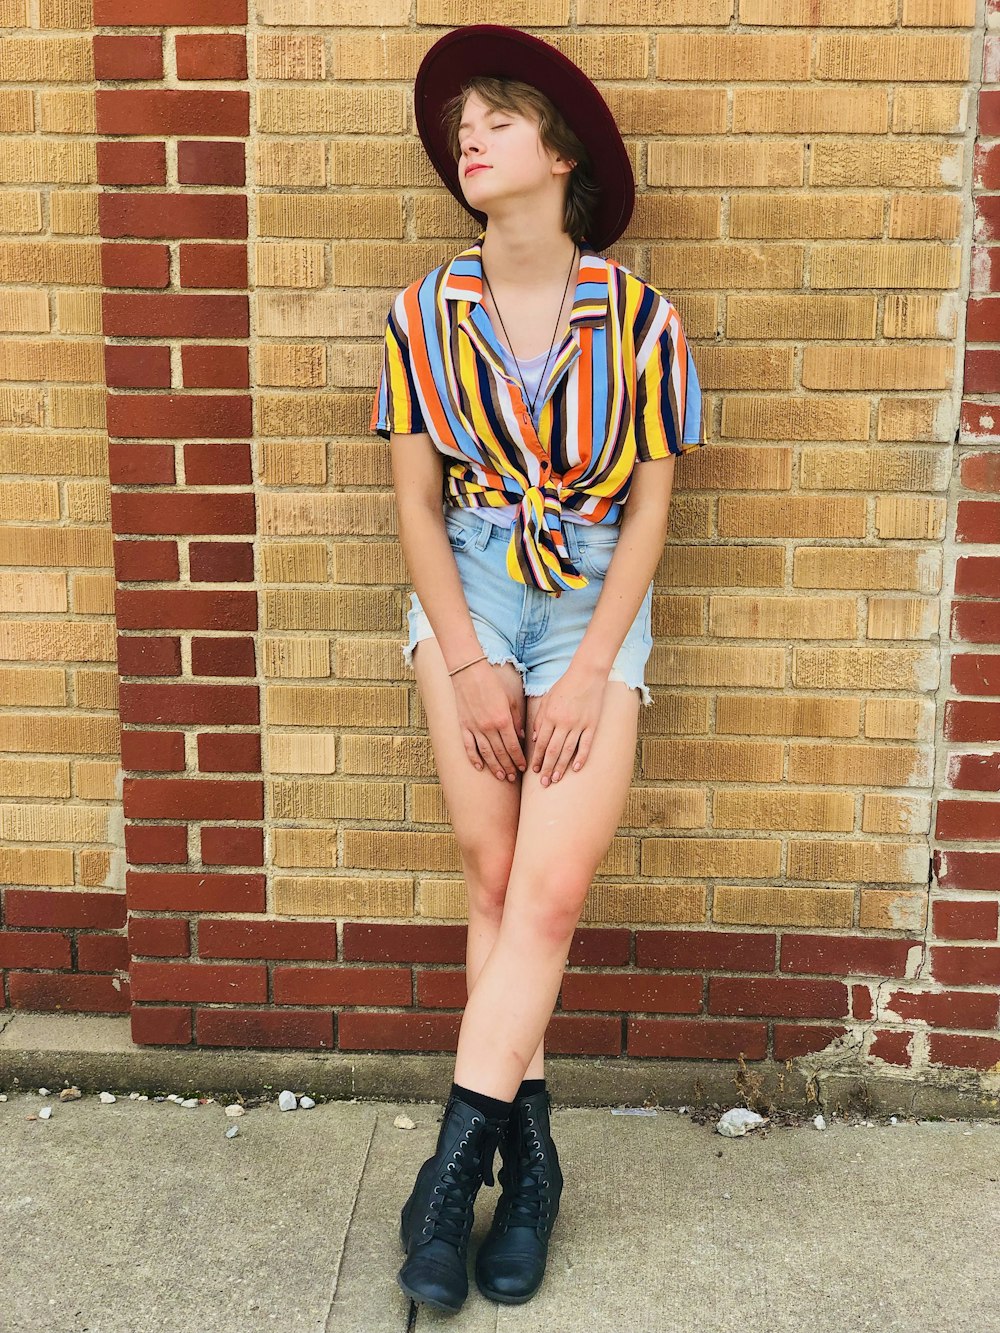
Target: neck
[[517, 254]]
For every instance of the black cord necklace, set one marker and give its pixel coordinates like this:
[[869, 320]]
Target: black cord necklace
[[541, 379]]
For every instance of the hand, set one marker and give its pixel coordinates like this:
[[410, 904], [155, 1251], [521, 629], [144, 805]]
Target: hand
[[489, 714], [566, 721]]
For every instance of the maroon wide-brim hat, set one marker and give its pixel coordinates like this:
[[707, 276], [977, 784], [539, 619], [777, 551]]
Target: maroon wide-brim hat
[[508, 53]]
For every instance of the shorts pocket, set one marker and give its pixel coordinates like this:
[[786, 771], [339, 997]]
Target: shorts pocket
[[595, 557], [459, 533]]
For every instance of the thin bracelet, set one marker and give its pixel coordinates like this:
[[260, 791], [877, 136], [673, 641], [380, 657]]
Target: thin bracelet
[[465, 664]]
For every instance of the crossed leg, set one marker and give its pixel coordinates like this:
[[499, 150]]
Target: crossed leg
[[529, 854]]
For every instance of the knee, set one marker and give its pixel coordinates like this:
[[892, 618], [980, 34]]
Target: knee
[[486, 876], [553, 908]]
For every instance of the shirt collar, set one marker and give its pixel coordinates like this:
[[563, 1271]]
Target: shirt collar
[[463, 281]]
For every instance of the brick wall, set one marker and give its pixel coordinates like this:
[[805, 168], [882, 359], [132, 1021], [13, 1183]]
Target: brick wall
[[292, 877]]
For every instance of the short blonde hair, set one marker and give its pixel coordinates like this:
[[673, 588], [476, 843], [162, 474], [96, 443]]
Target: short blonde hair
[[582, 192]]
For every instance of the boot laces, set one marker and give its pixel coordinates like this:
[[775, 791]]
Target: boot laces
[[530, 1185], [461, 1177]]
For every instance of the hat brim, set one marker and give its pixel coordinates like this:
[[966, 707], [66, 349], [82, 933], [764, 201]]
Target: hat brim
[[508, 53]]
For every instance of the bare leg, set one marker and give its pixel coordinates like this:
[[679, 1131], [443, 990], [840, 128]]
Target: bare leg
[[563, 833]]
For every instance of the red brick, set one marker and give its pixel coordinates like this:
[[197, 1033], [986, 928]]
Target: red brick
[[342, 985], [132, 57], [101, 953], [207, 982], [159, 936], [192, 798], [74, 993], [977, 520], [163, 111], [780, 997], [137, 366], [706, 950], [231, 847], [75, 909], [145, 215], [167, 891], [966, 720], [223, 657], [572, 1034], [974, 772], [695, 1039], [259, 1029], [171, 13], [970, 821], [960, 919], [441, 988], [183, 608], [958, 1052], [154, 1026], [285, 940], [148, 655], [120, 162], [35, 948], [977, 576], [175, 315], [862, 1003], [203, 162], [599, 946], [126, 265], [221, 562], [140, 465], [146, 561], [189, 703], [215, 367], [963, 965], [229, 752], [156, 844], [359, 1030], [378, 943], [975, 673], [153, 751], [946, 1009], [790, 1040], [842, 955], [631, 992], [957, 869], [214, 265], [219, 56], [134, 511], [976, 622], [217, 465], [981, 471]]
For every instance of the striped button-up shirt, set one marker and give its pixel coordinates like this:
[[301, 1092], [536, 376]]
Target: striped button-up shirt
[[621, 387]]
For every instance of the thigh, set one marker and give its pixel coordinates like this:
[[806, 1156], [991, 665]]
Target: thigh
[[483, 810], [564, 830]]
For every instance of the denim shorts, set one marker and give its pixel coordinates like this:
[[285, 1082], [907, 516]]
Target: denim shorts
[[518, 623]]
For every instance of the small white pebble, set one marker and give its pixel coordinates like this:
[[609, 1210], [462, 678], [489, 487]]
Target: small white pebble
[[108, 1097], [235, 1109], [403, 1122], [819, 1122], [3, 1096], [190, 1101], [232, 1131], [43, 1092], [45, 1113], [286, 1101], [173, 1097], [306, 1102]]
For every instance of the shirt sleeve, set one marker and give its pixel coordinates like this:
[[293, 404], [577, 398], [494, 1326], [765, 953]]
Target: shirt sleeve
[[669, 417], [396, 408]]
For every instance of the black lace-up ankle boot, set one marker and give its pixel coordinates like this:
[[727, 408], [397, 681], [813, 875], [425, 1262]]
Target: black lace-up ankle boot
[[510, 1263], [436, 1220]]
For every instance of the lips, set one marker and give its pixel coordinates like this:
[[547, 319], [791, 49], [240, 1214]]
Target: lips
[[479, 166]]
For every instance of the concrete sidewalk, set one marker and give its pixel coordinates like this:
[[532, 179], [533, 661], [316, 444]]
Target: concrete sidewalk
[[135, 1216]]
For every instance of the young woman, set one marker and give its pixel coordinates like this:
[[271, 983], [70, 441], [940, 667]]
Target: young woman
[[534, 387]]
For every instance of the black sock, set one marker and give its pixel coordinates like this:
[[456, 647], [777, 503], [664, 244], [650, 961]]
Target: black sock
[[531, 1085], [491, 1106]]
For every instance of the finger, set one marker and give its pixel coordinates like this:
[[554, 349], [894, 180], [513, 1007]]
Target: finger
[[540, 738], [513, 747], [486, 749], [469, 741], [583, 748], [552, 752], [508, 768], [565, 755]]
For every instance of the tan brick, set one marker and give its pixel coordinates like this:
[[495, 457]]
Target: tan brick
[[56, 641], [863, 765], [329, 609], [646, 12], [710, 858], [844, 862], [25, 310], [783, 617], [316, 798], [808, 418], [913, 569], [636, 110], [323, 315], [370, 659], [315, 848], [293, 463], [28, 161], [34, 777], [45, 866], [388, 756], [892, 909], [307, 215], [427, 804], [288, 55], [708, 760], [913, 419], [360, 465], [74, 212], [723, 163], [46, 59], [735, 905], [33, 500], [21, 406], [336, 705], [442, 899], [314, 414], [399, 162], [54, 455], [877, 367], [96, 689], [78, 311], [65, 13], [783, 810], [17, 116], [55, 546], [67, 111], [376, 264], [301, 754], [915, 264], [379, 849], [791, 516], [929, 109], [328, 896], [299, 364], [93, 866], [288, 264], [21, 590], [787, 715], [95, 780], [801, 317], [294, 562], [683, 664], [354, 366], [888, 58], [330, 110], [900, 719], [88, 501], [883, 470], [882, 812], [815, 110], [853, 668], [73, 733], [54, 823], [665, 807], [645, 904], [909, 316], [903, 617], [787, 13], [288, 162], [297, 657], [38, 687], [333, 13], [368, 562], [526, 13]]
